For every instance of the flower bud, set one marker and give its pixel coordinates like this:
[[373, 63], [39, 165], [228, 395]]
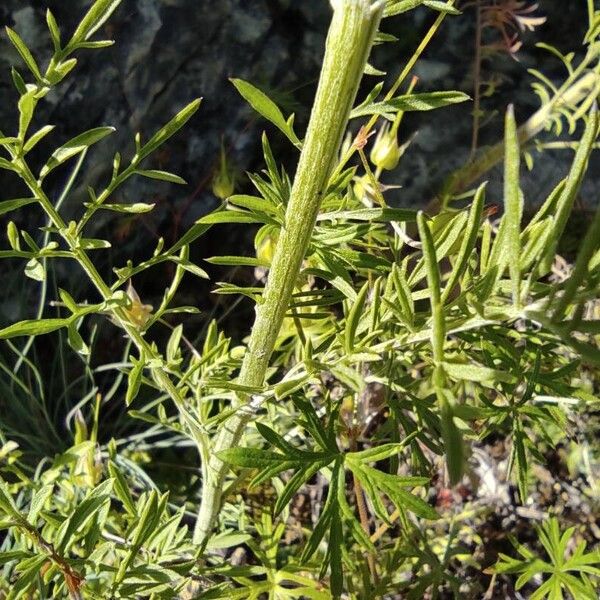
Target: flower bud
[[223, 183], [362, 187], [386, 152]]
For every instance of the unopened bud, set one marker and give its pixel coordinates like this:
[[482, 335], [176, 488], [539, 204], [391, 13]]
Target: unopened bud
[[223, 183], [386, 152]]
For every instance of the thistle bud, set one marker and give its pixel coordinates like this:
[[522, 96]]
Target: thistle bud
[[386, 152]]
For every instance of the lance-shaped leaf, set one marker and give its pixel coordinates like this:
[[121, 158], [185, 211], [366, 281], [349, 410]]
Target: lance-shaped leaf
[[25, 53], [9, 205], [397, 7], [83, 513], [168, 130], [33, 327], [264, 106], [451, 435], [373, 215], [581, 269], [513, 204], [353, 319], [408, 103], [96, 16], [162, 176], [75, 146], [468, 243], [564, 204]]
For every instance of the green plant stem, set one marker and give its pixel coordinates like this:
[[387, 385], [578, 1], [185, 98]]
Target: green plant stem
[[399, 80], [572, 92], [351, 33], [160, 376], [46, 239]]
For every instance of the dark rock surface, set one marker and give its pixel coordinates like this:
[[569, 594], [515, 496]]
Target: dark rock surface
[[170, 51]]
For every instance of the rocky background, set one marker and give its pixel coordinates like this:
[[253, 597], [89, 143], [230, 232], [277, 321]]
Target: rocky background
[[168, 52]]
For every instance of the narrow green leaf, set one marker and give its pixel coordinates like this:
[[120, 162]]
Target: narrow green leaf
[[136, 208], [253, 203], [25, 53], [513, 203], [18, 82], [442, 7], [83, 513], [236, 261], [264, 106], [234, 216], [410, 102], [474, 372], [76, 341], [379, 453], [13, 555], [93, 244], [54, 30], [377, 215], [12, 233], [451, 435], [520, 461], [32, 327], [397, 7], [38, 502], [168, 130], [36, 137], [580, 270], [298, 479], [97, 15], [7, 504], [391, 486], [564, 204], [335, 549], [287, 387], [29, 571], [8, 205], [433, 282], [354, 317], [251, 458], [371, 70], [134, 379], [147, 521], [96, 45], [75, 146], [7, 165], [61, 70], [121, 488], [27, 104], [162, 176], [468, 243]]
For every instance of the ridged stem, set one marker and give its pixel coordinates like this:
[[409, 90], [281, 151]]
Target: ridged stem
[[349, 41]]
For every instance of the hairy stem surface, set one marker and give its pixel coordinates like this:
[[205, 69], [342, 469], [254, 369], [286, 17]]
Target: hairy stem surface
[[349, 42]]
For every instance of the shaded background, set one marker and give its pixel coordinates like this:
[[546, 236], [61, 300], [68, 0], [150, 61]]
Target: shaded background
[[168, 52]]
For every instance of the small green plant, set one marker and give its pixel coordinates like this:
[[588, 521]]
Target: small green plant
[[384, 340], [568, 570]]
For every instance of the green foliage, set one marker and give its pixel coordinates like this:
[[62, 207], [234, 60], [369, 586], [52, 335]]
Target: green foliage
[[389, 342], [572, 571]]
